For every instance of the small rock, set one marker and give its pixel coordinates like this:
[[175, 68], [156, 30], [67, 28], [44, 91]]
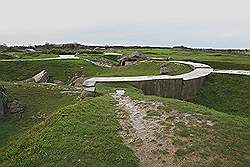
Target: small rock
[[77, 81], [58, 82], [15, 107], [166, 69], [3, 100], [42, 76], [210, 123], [85, 94]]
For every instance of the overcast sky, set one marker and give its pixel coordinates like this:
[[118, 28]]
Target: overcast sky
[[195, 23]]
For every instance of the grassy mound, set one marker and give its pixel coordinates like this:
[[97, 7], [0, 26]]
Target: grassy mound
[[84, 134], [39, 101]]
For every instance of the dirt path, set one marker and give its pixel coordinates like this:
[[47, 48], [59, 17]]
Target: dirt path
[[150, 130], [143, 136]]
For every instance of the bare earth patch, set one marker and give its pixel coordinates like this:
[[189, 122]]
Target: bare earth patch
[[158, 136]]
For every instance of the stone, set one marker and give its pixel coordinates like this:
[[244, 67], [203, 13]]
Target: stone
[[58, 82], [77, 82], [3, 100], [42, 76], [15, 107], [29, 80], [166, 69], [85, 94], [132, 58]]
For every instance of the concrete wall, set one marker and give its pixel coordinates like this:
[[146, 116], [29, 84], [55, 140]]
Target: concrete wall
[[183, 86], [174, 88], [163, 88]]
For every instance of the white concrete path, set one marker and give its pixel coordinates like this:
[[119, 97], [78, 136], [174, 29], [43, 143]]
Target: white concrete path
[[64, 57], [199, 70], [238, 72]]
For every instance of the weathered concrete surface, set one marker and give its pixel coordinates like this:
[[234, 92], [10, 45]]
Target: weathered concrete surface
[[43, 59], [184, 86], [239, 72], [42, 76], [112, 54]]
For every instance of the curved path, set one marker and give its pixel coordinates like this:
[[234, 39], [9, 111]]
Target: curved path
[[61, 57], [199, 70], [159, 83]]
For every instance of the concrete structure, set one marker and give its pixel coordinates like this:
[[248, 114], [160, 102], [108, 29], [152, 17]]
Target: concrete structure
[[184, 86], [43, 59], [238, 72]]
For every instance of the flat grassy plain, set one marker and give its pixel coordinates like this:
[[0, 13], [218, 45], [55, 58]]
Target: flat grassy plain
[[217, 60]]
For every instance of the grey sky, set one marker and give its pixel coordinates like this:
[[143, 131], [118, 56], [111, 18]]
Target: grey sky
[[196, 23]]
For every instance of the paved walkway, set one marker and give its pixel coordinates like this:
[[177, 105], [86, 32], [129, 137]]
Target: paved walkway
[[69, 57], [239, 72], [199, 70]]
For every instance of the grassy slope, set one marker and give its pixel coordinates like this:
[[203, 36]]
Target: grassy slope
[[227, 93], [225, 144], [64, 70], [84, 134], [39, 103]]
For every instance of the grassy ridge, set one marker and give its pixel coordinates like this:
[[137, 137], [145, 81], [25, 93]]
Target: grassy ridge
[[84, 134]]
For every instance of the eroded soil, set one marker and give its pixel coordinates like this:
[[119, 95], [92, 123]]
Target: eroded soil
[[155, 134]]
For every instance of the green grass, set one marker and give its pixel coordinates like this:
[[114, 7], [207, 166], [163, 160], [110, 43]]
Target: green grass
[[226, 93], [148, 68], [235, 59], [39, 103], [227, 141], [64, 70], [26, 55], [84, 134]]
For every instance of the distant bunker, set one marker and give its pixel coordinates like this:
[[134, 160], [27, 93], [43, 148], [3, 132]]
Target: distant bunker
[[184, 86]]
